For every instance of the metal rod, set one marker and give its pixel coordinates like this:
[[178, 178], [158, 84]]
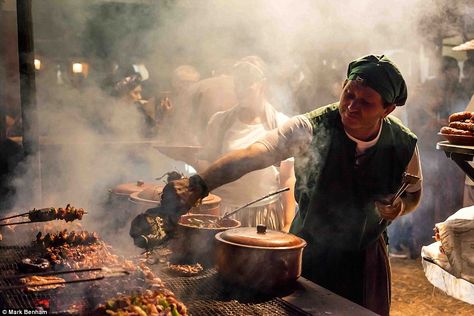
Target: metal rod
[[400, 192], [13, 216], [22, 286], [17, 223], [254, 201], [17, 276]]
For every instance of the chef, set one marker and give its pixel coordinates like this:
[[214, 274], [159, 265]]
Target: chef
[[350, 157]]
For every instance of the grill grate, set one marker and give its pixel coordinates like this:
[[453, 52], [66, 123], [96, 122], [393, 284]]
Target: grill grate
[[204, 294], [207, 294], [85, 295]]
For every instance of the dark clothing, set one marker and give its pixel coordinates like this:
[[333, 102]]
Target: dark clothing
[[11, 154], [336, 194]]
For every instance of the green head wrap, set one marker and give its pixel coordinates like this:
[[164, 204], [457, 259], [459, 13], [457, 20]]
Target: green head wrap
[[381, 75]]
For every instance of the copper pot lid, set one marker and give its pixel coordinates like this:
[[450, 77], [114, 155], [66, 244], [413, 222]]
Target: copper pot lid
[[153, 194], [260, 237], [131, 187]]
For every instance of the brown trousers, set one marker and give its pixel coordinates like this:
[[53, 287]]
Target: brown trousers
[[377, 278], [360, 276]]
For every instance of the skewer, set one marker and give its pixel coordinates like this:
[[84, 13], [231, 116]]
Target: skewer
[[23, 286], [17, 276], [26, 222], [250, 203], [13, 216], [17, 223]]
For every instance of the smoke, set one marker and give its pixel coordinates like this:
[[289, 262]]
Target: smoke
[[91, 142]]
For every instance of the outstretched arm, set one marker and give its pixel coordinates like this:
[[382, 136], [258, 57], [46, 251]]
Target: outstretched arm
[[235, 164], [289, 140]]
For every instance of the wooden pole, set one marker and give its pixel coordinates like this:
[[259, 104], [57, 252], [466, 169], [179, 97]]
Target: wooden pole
[[29, 110]]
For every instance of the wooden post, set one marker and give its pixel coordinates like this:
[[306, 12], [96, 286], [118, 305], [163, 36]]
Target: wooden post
[[29, 110]]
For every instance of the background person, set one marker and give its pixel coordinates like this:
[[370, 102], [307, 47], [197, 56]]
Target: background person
[[127, 89], [239, 127]]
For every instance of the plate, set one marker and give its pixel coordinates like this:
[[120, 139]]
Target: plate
[[179, 152], [454, 139]]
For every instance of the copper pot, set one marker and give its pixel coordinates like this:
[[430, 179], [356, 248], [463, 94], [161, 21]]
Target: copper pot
[[118, 202], [125, 189], [197, 244], [151, 197], [257, 258]]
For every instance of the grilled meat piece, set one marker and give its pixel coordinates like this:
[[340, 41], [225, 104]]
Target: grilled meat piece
[[185, 269], [67, 238], [41, 283], [69, 214], [28, 265]]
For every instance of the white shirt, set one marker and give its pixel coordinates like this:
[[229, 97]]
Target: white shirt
[[254, 184], [297, 133]]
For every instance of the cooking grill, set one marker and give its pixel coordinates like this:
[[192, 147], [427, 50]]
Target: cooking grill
[[10, 256], [207, 294], [204, 294], [59, 301]]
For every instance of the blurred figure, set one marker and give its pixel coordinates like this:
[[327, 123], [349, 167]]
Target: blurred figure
[[239, 127], [467, 81], [11, 156], [183, 77], [433, 102], [301, 85], [210, 96], [454, 96], [176, 106], [13, 125], [128, 92]]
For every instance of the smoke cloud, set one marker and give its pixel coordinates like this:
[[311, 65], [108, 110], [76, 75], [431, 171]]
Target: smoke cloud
[[91, 144]]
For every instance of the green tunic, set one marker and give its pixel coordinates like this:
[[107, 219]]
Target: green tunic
[[336, 194]]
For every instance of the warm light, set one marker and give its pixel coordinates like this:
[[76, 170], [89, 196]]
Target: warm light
[[77, 68], [37, 64]]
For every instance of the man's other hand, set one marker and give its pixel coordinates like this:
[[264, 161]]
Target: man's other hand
[[389, 211]]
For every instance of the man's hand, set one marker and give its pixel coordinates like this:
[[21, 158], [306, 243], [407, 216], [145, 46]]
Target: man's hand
[[181, 195], [389, 211]]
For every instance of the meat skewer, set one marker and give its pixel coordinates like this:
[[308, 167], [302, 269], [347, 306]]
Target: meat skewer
[[15, 276], [69, 214], [23, 286], [67, 238]]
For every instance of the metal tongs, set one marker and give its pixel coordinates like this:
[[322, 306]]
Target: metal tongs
[[108, 273], [407, 179], [227, 215]]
